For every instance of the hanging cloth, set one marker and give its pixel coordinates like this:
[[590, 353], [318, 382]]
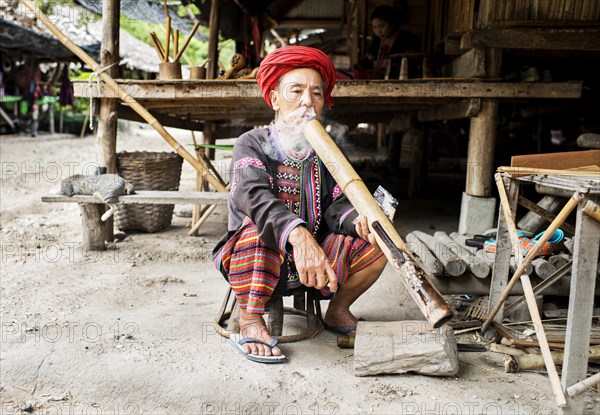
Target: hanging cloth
[[66, 89]]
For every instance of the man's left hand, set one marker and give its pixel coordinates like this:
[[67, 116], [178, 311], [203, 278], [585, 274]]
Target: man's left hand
[[361, 224]]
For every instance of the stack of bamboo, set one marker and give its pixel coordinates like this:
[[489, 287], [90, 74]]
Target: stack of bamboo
[[446, 255]]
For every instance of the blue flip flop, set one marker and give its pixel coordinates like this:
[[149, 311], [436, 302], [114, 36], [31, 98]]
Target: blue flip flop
[[255, 358], [343, 331]]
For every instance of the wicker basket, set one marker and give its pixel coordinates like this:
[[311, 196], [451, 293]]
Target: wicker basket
[[148, 171]]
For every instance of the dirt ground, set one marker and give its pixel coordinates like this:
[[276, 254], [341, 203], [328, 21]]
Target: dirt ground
[[128, 330]]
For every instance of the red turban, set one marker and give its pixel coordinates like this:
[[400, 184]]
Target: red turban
[[282, 60]]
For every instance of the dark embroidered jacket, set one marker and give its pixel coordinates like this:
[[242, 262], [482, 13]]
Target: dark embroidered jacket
[[278, 194]]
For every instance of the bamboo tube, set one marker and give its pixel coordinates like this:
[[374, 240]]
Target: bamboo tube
[[528, 291], [168, 41], [478, 268], [543, 268], [592, 210], [453, 265], [560, 218], [582, 386], [122, 94], [430, 301], [187, 41], [431, 264], [536, 361], [175, 43]]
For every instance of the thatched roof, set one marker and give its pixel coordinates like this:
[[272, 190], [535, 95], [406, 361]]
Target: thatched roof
[[20, 34]]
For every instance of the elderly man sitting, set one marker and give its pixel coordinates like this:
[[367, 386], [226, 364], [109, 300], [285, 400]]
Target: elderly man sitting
[[289, 223]]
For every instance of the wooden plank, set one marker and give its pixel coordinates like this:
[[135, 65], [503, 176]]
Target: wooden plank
[[557, 161], [454, 111], [581, 300], [155, 197], [363, 90], [470, 64], [533, 38]]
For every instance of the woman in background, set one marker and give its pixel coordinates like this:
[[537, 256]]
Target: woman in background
[[389, 39]]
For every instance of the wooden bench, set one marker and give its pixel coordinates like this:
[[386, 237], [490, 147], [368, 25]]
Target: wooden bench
[[95, 231]]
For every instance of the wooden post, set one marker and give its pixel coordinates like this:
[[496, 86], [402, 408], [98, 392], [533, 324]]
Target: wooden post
[[213, 41], [94, 233], [581, 299], [208, 137], [482, 135], [106, 137], [109, 54]]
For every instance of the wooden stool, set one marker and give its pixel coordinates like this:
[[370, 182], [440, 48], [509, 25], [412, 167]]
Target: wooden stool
[[227, 321]]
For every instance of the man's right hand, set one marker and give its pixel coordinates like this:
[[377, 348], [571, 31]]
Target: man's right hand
[[311, 262]]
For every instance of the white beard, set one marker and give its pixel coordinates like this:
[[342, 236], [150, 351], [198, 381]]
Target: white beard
[[289, 129]]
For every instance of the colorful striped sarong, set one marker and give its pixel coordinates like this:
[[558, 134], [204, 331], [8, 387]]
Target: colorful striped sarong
[[253, 269]]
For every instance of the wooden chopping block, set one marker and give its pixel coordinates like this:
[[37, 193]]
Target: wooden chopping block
[[404, 346]]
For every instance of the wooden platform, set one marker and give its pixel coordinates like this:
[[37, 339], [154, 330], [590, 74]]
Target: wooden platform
[[372, 100], [154, 197]]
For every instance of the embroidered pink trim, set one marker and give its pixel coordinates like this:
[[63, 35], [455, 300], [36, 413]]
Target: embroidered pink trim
[[249, 161]]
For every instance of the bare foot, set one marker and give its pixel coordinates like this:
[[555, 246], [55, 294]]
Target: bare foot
[[253, 325], [340, 317]]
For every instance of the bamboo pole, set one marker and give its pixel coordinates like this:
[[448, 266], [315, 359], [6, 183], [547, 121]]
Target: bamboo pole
[[202, 219], [168, 41], [157, 46], [122, 94], [431, 303], [536, 361], [199, 182], [560, 218], [582, 386], [529, 295], [160, 46]]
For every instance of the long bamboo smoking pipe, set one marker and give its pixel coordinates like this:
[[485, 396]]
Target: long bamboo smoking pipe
[[123, 95], [428, 298]]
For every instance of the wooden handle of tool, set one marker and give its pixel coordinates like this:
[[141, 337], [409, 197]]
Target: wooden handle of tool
[[428, 298]]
